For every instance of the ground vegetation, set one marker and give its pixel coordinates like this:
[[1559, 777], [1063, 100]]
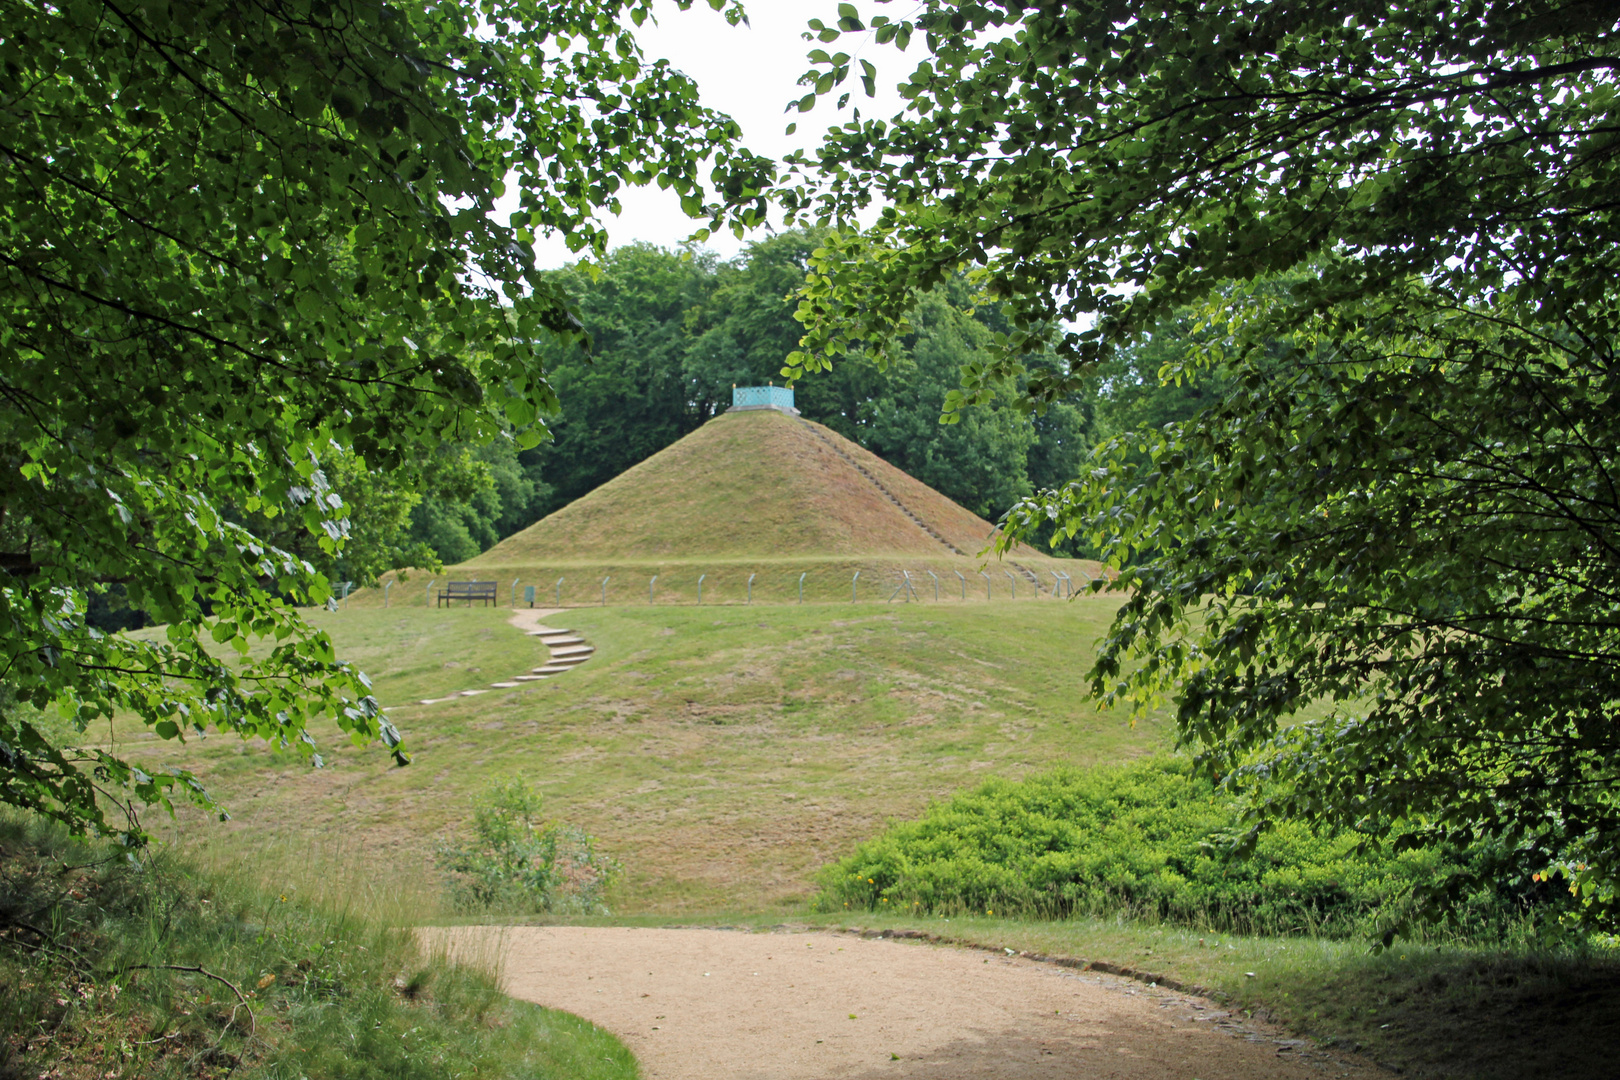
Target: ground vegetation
[[1151, 840], [109, 967]]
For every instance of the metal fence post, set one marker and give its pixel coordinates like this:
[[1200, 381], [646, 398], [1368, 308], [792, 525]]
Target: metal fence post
[[963, 580], [986, 577], [559, 592], [801, 587], [751, 588], [650, 585], [931, 574], [1057, 583], [1014, 586], [514, 592], [604, 590], [386, 586], [700, 588], [427, 598], [854, 584]]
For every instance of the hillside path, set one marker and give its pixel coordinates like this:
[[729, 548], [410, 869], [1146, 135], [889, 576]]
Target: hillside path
[[697, 1004]]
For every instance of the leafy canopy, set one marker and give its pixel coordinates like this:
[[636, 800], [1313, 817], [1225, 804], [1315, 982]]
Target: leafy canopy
[[237, 243], [1395, 230]]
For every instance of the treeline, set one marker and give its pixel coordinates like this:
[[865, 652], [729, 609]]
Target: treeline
[[672, 332]]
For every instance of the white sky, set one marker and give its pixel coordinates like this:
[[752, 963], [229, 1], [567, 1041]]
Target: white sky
[[751, 73]]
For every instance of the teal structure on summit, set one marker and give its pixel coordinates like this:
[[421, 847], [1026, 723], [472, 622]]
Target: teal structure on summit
[[749, 398]]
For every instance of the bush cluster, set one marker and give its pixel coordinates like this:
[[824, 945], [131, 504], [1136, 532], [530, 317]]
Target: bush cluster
[[515, 861], [1146, 839]]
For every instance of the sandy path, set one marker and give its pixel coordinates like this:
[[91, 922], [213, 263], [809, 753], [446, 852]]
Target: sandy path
[[725, 1005], [527, 619]]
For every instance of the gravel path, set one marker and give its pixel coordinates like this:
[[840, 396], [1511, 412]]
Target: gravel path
[[727, 1005]]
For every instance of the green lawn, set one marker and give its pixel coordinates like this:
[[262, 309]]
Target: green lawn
[[722, 754], [725, 753]]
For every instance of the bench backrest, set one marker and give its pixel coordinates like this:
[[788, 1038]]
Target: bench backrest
[[469, 587]]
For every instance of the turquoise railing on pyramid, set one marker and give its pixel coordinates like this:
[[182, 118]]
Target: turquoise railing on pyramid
[[762, 397]]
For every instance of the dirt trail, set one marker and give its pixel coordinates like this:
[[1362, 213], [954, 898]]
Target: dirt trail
[[726, 1005]]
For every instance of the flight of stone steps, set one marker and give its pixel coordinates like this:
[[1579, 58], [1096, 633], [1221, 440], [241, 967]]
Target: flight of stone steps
[[875, 482], [568, 651], [1029, 575]]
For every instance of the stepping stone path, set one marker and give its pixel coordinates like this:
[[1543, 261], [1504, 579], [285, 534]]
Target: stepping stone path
[[567, 650]]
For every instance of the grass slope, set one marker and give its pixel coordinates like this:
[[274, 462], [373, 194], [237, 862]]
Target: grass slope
[[722, 754], [746, 484], [110, 969]]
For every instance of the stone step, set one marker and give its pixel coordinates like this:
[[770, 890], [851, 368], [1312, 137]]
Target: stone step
[[552, 669], [572, 650], [470, 693], [528, 678], [546, 631], [565, 639], [502, 685]]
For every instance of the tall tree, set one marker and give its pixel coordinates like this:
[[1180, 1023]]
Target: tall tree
[[1397, 223], [238, 242]]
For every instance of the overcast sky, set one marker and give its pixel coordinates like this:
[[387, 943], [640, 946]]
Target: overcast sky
[[751, 73]]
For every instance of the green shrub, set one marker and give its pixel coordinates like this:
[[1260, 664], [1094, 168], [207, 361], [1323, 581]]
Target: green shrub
[[1145, 839], [116, 969], [517, 861]]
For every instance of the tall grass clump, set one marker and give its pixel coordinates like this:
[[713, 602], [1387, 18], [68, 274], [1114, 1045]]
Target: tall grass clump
[[516, 861], [114, 968], [1148, 839]]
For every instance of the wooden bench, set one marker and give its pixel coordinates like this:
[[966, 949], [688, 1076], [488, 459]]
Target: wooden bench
[[468, 591]]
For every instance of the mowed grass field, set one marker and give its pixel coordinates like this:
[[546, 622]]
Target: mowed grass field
[[723, 754]]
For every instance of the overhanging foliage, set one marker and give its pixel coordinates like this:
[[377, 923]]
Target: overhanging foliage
[[1399, 225], [238, 241]]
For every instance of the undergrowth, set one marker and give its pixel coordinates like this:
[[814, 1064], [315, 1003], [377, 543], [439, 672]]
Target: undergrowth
[[517, 862], [1149, 840], [114, 968]]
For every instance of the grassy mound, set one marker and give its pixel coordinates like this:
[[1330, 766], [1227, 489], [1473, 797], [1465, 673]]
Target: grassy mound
[[1144, 838], [756, 483], [113, 969]]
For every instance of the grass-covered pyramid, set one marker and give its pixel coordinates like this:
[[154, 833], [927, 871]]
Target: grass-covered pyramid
[[766, 493]]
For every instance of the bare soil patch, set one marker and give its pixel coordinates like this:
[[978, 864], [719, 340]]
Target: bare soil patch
[[699, 1004]]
